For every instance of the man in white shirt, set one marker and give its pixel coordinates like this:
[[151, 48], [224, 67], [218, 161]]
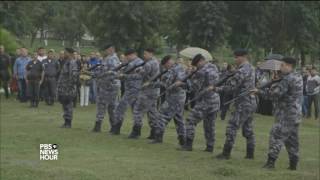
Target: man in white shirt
[[313, 92], [41, 54]]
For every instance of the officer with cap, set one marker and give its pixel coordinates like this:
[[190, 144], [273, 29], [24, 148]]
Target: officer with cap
[[286, 95], [206, 107], [242, 116], [132, 83]]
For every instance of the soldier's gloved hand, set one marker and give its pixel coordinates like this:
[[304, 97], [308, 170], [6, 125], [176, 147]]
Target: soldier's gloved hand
[[211, 88], [254, 91]]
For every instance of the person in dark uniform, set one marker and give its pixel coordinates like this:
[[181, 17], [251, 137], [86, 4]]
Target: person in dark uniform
[[51, 69], [66, 87], [34, 77]]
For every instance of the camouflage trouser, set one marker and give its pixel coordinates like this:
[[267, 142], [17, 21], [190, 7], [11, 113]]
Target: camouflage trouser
[[129, 98], [106, 99], [208, 115], [146, 104], [67, 107], [241, 117], [287, 135], [172, 108]]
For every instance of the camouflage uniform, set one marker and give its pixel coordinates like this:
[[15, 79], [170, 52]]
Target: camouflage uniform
[[132, 83], [66, 88], [147, 97], [242, 116], [173, 105], [107, 88], [286, 96], [206, 107]]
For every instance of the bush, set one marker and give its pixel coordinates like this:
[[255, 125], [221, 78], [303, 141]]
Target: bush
[[8, 40]]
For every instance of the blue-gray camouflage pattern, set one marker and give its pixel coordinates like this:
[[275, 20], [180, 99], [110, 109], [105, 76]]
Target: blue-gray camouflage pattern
[[147, 97], [107, 88], [207, 106], [242, 116], [286, 96]]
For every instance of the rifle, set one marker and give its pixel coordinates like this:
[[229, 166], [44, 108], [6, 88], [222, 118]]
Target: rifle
[[203, 92], [184, 80], [245, 93], [155, 78], [97, 65], [133, 68]]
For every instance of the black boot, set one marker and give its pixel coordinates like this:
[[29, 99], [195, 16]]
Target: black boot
[[97, 127], [293, 164], [250, 152], [158, 137], [136, 132], [270, 163], [64, 124], [182, 140], [226, 152], [68, 125], [152, 133], [115, 130], [187, 146], [209, 148]]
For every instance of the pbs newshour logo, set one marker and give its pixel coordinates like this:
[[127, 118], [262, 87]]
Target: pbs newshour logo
[[49, 152]]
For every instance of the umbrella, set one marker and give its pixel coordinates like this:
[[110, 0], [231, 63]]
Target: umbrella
[[190, 52], [271, 65]]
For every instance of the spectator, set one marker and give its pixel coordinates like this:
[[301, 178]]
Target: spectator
[[41, 54], [51, 69], [84, 89], [313, 91], [77, 58], [93, 85], [305, 103], [19, 72], [34, 77], [4, 70]]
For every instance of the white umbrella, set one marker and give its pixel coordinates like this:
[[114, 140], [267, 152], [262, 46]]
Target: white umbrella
[[271, 65], [190, 52]]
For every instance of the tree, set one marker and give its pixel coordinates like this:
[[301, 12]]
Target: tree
[[126, 23], [203, 24]]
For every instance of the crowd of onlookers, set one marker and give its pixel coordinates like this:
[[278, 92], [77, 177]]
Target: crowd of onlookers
[[34, 77]]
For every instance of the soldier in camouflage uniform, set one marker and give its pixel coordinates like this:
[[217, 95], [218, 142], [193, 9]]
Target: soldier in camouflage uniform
[[242, 116], [286, 96], [173, 105], [132, 83], [206, 106], [107, 87], [66, 87], [147, 97]]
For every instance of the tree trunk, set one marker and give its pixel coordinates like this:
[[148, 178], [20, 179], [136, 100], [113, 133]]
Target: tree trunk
[[33, 36], [303, 58]]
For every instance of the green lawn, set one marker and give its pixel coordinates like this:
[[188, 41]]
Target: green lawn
[[86, 155]]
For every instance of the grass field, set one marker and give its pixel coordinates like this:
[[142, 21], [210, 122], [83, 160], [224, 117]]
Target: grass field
[[85, 155]]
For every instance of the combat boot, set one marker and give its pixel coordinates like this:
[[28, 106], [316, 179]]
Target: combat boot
[[182, 140], [68, 125], [187, 146], [209, 148], [270, 163], [225, 153], [97, 127], [152, 133], [115, 130], [250, 152], [64, 124], [136, 132], [293, 164], [158, 137]]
